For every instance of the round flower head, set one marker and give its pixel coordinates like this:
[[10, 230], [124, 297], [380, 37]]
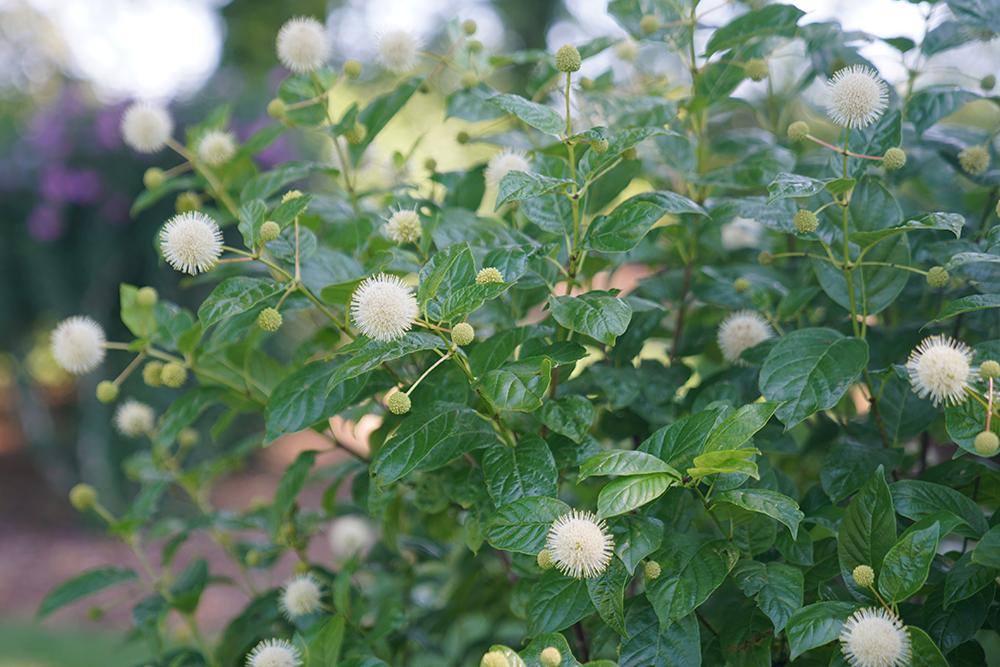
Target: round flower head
[[863, 575], [489, 274], [503, 163], [873, 637], [383, 307], [191, 242], [301, 596], [986, 443], [568, 58], [858, 96], [550, 657], [78, 344], [974, 159], [274, 653], [580, 545], [397, 50], [146, 127], [350, 536], [940, 369], [302, 44], [216, 148], [398, 403], [134, 419], [741, 331], [403, 226]]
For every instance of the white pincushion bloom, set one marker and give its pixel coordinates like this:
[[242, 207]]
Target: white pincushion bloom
[[873, 637], [146, 127], [397, 50], [384, 307], [274, 653], [857, 96], [134, 419], [302, 44], [940, 368], [741, 331], [191, 242], [403, 226], [78, 344], [580, 544], [503, 163], [216, 148], [350, 536], [742, 233], [301, 596]]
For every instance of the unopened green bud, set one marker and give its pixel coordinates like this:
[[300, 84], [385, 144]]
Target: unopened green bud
[[398, 403], [469, 27], [756, 69], [463, 334], [568, 59], [630, 154], [107, 391], [894, 158], [276, 109], [95, 614], [254, 557], [152, 374], [805, 221], [550, 657], [741, 284], [474, 46], [469, 80], [765, 258], [986, 443], [988, 82], [649, 24], [599, 146], [544, 560], [651, 569], [187, 438], [187, 202], [154, 178], [974, 159], [352, 69], [990, 369], [462, 137], [430, 164], [269, 319], [798, 130], [269, 231], [424, 88], [356, 134], [146, 297], [173, 375], [937, 277], [83, 497], [863, 576], [586, 83]]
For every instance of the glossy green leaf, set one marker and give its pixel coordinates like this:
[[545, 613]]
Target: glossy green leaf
[[82, 585], [765, 501], [905, 567], [600, 315], [522, 525]]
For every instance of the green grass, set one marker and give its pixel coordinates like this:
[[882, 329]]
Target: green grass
[[33, 646]]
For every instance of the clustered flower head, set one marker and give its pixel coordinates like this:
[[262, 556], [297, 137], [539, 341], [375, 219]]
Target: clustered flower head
[[301, 596], [463, 334], [986, 443], [568, 58], [580, 544], [134, 419], [78, 344], [741, 331], [974, 159], [798, 130], [350, 536], [216, 148], [938, 277], [756, 69], [940, 369], [805, 221], [863, 575], [857, 96], [503, 163], [302, 44], [398, 403], [191, 242], [493, 659], [873, 637], [489, 274], [274, 653], [384, 307], [82, 497], [269, 319], [894, 158], [550, 657], [397, 50], [146, 127], [403, 226]]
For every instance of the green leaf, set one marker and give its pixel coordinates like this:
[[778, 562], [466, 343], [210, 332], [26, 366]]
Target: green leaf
[[651, 643], [810, 370], [967, 304], [816, 624], [725, 462], [303, 398], [521, 386], [765, 501], [688, 577], [607, 592], [523, 525], [873, 207], [923, 651], [635, 538], [186, 589], [966, 578], [289, 487], [446, 271], [907, 564], [737, 429], [623, 462], [785, 186], [262, 186], [939, 221], [987, 552], [82, 585], [876, 286], [363, 355], [377, 113], [251, 218], [516, 472], [520, 185], [533, 651], [916, 499], [536, 115], [623, 228], [628, 493], [930, 105], [557, 602], [597, 314], [325, 643], [570, 416], [775, 587], [680, 442], [234, 296], [769, 21], [868, 529]]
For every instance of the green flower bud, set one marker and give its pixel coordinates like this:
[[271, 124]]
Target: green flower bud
[[474, 46], [187, 202], [894, 158], [599, 146], [356, 134], [493, 659], [398, 403], [276, 109], [269, 231], [544, 559], [798, 130], [463, 334], [95, 614], [430, 164], [630, 154], [756, 69], [107, 391], [83, 497], [805, 221], [152, 374], [937, 277], [154, 178], [489, 274], [424, 88], [863, 576], [254, 557], [990, 369], [147, 297], [986, 443], [469, 27], [550, 657], [568, 59], [269, 319], [469, 80], [173, 375], [974, 159], [352, 69], [649, 24], [290, 195], [988, 82], [651, 569], [187, 438], [741, 284], [586, 83], [765, 258], [462, 137]]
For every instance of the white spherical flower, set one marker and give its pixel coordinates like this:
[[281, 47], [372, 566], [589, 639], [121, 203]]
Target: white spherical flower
[[940, 368], [742, 233], [351, 536], [580, 544], [857, 96], [403, 226], [873, 637], [397, 50], [274, 653], [191, 242], [302, 44], [741, 331], [301, 596], [503, 163], [216, 148], [146, 127], [78, 344], [134, 419], [384, 307]]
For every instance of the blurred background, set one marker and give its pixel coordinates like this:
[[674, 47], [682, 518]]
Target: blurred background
[[67, 70]]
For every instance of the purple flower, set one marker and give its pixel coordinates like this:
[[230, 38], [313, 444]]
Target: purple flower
[[45, 223], [66, 184]]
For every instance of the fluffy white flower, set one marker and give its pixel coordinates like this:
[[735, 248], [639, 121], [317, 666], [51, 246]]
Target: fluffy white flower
[[350, 536], [301, 596], [78, 344], [741, 331], [857, 96], [503, 163], [216, 148], [383, 307], [873, 637], [134, 419], [580, 544], [742, 233], [397, 50], [403, 226], [274, 653], [302, 44], [146, 127], [191, 242], [940, 368]]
